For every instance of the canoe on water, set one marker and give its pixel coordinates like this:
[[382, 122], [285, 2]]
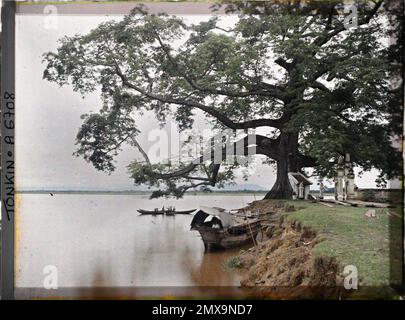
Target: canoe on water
[[164, 212]]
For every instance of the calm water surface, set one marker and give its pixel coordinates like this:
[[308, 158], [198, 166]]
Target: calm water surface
[[101, 241]]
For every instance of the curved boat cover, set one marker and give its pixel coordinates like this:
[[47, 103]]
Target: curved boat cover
[[224, 216]]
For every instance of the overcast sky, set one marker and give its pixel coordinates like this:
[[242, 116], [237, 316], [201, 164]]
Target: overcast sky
[[48, 117]]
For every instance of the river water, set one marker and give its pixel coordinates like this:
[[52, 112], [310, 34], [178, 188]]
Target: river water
[[99, 240]]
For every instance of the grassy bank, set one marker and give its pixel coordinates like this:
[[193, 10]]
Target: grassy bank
[[373, 245], [307, 245]]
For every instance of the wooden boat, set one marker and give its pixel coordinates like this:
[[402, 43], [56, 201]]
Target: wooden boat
[[221, 229], [234, 236], [167, 212]]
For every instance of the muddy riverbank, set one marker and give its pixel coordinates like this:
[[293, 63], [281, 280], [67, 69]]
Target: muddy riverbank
[[306, 246], [284, 266]]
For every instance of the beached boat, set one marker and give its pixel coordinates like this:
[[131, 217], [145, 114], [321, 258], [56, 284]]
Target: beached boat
[[167, 212], [220, 229]]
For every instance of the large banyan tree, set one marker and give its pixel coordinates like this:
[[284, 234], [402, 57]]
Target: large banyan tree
[[322, 78]]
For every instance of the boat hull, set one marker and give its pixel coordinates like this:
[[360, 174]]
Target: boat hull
[[224, 239]]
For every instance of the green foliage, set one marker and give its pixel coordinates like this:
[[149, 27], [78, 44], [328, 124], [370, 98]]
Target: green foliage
[[294, 67], [381, 182], [101, 137], [233, 262], [369, 195]]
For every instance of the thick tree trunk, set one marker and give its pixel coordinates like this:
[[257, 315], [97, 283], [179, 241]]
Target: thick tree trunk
[[286, 162]]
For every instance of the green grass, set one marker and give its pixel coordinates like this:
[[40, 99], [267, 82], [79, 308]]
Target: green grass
[[232, 262], [373, 245]]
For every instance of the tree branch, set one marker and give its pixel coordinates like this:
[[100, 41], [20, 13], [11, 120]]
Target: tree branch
[[282, 63], [209, 110], [320, 86], [272, 91], [262, 145], [320, 41], [306, 161], [138, 146]]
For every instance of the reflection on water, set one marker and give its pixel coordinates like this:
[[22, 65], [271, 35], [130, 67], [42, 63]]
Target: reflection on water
[[211, 270], [101, 241]]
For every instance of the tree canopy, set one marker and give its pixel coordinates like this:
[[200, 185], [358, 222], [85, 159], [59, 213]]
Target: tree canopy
[[324, 86]]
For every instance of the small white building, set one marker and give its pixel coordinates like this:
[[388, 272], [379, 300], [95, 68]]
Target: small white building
[[300, 184]]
